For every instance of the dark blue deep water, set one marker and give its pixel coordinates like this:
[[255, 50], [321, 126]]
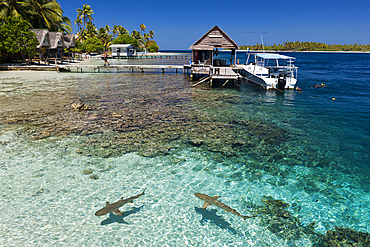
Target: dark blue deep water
[[347, 118], [338, 112]]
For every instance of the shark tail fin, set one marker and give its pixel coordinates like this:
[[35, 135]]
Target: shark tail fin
[[142, 193], [107, 204]]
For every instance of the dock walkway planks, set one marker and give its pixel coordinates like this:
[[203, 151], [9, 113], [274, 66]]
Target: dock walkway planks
[[80, 68]]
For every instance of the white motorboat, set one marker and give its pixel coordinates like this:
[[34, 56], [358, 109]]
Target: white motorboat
[[271, 71]]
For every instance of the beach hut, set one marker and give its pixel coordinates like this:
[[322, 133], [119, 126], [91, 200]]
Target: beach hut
[[123, 50], [44, 43], [204, 49], [56, 45]]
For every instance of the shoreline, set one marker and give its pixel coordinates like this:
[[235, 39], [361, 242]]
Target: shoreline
[[33, 66]]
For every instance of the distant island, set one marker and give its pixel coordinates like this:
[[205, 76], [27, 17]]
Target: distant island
[[307, 46]]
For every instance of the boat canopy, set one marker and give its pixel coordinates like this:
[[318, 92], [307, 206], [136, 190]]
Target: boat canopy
[[273, 56]]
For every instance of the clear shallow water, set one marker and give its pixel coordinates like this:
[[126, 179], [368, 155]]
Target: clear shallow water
[[311, 152]]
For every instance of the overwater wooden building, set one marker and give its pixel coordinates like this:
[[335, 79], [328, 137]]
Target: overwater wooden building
[[204, 65]]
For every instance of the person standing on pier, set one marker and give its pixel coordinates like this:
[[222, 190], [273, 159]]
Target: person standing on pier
[[105, 58]]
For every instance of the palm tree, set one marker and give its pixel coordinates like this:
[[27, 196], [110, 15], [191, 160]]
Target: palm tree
[[12, 8], [115, 31], [107, 29], [39, 13], [119, 30], [84, 16], [122, 30], [135, 34], [79, 24], [82, 35], [105, 37], [146, 37], [91, 30], [48, 14], [142, 28], [151, 34], [65, 25]]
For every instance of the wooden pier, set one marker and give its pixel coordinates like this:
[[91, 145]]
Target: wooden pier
[[119, 68], [215, 75]]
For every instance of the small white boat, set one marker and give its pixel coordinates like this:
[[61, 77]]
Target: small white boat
[[271, 71]]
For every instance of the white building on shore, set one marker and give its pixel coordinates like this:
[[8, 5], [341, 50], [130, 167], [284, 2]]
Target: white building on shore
[[123, 50]]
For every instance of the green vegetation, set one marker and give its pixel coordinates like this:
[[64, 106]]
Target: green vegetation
[[108, 36], [152, 46], [18, 16], [48, 14], [93, 44], [42, 14], [126, 39], [16, 38], [308, 46]]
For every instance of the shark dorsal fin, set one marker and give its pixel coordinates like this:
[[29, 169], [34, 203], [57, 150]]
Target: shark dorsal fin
[[205, 205], [216, 197], [107, 204], [117, 212]]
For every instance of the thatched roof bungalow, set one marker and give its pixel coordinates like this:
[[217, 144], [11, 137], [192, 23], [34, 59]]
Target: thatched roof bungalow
[[204, 48], [56, 44], [52, 44]]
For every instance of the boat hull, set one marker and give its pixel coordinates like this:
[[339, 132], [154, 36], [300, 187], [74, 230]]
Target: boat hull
[[269, 82]]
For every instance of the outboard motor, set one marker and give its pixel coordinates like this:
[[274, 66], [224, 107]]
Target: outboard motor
[[281, 81]]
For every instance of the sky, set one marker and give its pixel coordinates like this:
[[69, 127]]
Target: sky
[[178, 24]]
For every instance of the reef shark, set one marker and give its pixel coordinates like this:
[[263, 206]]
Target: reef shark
[[208, 201], [114, 207]]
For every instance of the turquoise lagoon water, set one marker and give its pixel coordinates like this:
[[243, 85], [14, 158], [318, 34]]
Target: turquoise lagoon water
[[245, 145]]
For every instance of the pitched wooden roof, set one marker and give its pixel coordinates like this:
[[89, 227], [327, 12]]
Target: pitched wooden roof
[[42, 37], [56, 40], [214, 38]]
